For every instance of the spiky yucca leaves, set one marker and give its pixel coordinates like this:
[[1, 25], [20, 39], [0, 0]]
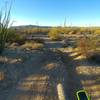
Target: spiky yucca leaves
[[4, 25]]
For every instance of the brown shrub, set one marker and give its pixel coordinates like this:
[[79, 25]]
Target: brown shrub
[[87, 45]]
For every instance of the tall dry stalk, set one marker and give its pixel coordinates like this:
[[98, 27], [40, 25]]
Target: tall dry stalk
[[4, 27]]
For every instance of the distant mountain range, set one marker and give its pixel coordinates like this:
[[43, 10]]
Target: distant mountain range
[[29, 26]]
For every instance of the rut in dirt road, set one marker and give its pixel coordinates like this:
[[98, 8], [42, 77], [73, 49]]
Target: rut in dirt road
[[73, 83]]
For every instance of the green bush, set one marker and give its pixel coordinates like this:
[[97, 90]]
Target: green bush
[[15, 37], [12, 35], [20, 39]]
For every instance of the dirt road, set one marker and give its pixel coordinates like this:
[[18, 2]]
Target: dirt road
[[35, 74], [35, 77]]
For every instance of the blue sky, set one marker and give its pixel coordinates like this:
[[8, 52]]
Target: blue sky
[[53, 12]]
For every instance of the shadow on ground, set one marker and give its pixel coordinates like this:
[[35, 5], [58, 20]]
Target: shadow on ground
[[88, 74], [36, 78]]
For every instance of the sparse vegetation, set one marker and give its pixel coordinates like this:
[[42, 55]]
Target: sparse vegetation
[[20, 39], [14, 37], [4, 25], [49, 62], [31, 52], [88, 46]]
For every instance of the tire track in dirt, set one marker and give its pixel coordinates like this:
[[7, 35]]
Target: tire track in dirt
[[73, 83]]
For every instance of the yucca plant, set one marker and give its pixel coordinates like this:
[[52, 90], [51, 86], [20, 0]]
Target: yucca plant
[[4, 27]]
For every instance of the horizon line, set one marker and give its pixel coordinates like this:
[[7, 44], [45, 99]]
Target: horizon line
[[57, 25]]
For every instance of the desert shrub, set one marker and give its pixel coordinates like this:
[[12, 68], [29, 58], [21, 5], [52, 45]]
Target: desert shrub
[[12, 35], [20, 39], [4, 25], [87, 45], [83, 46], [73, 31], [63, 30], [15, 37], [54, 34]]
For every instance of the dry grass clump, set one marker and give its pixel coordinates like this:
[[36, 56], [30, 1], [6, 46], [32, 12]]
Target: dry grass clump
[[32, 45], [16, 37], [87, 45], [54, 34]]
